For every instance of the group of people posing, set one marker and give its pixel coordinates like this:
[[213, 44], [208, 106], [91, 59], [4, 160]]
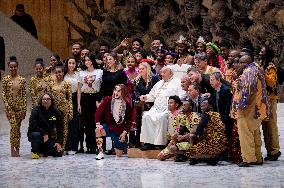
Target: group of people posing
[[202, 102]]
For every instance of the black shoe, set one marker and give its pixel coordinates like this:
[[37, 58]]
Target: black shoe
[[181, 158], [257, 163], [212, 161], [81, 150], [244, 164], [91, 151], [267, 158], [110, 152], [147, 147], [193, 161], [223, 158], [131, 145], [275, 157]]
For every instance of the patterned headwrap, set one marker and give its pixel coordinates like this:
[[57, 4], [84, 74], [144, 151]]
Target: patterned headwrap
[[214, 46]]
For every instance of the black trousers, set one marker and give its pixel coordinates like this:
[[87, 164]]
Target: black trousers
[[134, 136], [46, 148], [73, 128], [88, 108]]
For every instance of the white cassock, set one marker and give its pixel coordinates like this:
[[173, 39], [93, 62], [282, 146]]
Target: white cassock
[[179, 70], [155, 121]]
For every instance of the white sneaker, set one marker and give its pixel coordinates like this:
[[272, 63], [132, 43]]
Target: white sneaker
[[71, 153], [100, 156]]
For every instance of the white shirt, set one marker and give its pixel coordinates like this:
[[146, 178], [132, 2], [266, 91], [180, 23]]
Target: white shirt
[[73, 80], [91, 81], [116, 110]]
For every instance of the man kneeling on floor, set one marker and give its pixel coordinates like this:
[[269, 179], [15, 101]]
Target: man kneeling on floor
[[45, 129]]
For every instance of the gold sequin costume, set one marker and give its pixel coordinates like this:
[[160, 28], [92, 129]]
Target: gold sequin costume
[[213, 140], [15, 103], [63, 102], [37, 87]]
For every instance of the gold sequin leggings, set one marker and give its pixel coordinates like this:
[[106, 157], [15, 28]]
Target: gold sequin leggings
[[15, 129]]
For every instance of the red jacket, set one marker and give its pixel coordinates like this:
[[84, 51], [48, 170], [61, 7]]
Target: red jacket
[[105, 107]]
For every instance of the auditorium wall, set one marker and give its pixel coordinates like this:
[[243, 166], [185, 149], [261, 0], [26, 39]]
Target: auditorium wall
[[49, 19]]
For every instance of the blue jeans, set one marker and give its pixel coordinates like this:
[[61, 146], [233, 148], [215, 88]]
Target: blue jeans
[[115, 138]]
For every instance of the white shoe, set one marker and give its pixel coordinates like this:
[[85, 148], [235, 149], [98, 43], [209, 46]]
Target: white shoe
[[100, 156], [71, 153]]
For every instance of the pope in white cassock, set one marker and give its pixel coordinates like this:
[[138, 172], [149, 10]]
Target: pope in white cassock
[[155, 121]]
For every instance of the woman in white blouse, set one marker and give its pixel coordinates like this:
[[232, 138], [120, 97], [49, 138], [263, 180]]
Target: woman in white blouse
[[72, 77], [88, 97]]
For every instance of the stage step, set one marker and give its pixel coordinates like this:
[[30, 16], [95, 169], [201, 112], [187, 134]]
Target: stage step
[[137, 153]]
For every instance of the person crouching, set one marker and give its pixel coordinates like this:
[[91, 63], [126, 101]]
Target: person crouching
[[118, 120], [45, 129]]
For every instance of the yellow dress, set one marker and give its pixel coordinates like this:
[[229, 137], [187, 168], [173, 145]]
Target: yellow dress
[[15, 101], [63, 100], [37, 87]]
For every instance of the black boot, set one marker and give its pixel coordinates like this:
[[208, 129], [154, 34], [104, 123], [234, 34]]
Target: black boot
[[193, 161], [213, 161], [148, 147], [275, 157], [181, 158]]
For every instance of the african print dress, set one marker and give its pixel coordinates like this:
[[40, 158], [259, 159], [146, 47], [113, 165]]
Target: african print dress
[[212, 141], [182, 124]]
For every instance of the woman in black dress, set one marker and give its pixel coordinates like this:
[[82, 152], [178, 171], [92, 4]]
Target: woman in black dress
[[112, 76]]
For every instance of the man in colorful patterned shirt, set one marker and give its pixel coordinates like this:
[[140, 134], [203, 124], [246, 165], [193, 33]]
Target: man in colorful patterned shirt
[[250, 107]]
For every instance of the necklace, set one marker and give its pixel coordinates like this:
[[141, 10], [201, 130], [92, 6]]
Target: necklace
[[119, 116]]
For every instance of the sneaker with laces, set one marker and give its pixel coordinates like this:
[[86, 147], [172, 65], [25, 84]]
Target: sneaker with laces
[[35, 155], [100, 156]]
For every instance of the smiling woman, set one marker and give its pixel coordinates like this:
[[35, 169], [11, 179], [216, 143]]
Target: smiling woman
[[112, 76], [15, 101], [88, 95]]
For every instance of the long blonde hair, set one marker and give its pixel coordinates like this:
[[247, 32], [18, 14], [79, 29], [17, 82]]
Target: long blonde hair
[[149, 73]]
